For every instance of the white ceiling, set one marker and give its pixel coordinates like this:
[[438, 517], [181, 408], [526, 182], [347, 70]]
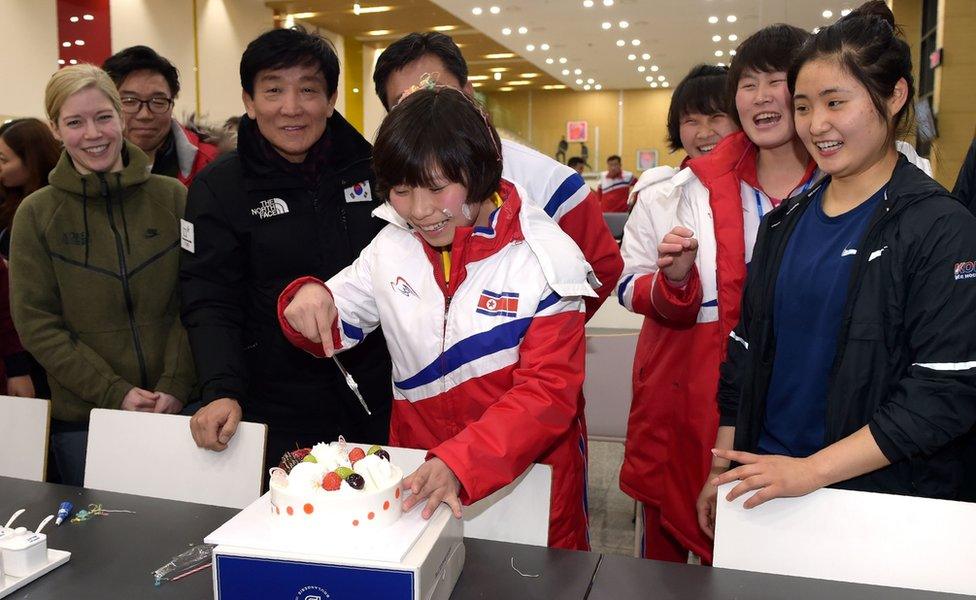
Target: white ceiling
[[675, 33]]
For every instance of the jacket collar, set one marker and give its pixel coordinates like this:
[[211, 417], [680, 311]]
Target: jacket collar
[[136, 171]]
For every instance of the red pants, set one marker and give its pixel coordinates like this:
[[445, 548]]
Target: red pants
[[657, 543]]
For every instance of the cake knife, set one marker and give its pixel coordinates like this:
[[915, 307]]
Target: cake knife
[[352, 384]]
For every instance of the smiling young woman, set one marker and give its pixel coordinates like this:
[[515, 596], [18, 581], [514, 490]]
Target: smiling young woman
[[859, 295]]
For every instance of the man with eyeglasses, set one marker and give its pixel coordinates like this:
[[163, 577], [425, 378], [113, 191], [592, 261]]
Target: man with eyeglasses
[[148, 85]]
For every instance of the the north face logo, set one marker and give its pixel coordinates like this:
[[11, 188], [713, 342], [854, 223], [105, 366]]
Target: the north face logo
[[270, 208]]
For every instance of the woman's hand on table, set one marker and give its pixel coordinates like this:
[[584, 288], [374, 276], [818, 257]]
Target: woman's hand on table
[[435, 482]]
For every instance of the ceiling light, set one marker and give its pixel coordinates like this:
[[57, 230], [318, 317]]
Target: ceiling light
[[565, 71], [530, 47], [60, 62], [587, 3], [477, 77], [649, 78], [500, 55], [598, 87], [827, 14], [721, 64], [494, 10], [529, 75], [88, 18], [497, 76], [549, 61], [523, 30], [654, 84], [66, 44], [507, 31], [544, 47], [713, 20], [498, 69], [607, 2], [505, 89], [646, 56], [362, 11], [719, 53], [378, 32], [623, 24], [579, 82], [476, 85], [577, 71], [444, 28], [621, 43], [716, 38], [815, 30], [733, 38], [586, 87], [661, 77], [641, 69], [519, 82], [731, 18], [606, 25], [631, 57], [665, 84], [635, 42], [557, 86], [356, 90], [731, 52], [73, 20], [476, 11], [590, 81], [654, 68], [73, 62], [356, 8], [845, 12], [79, 42], [562, 60]]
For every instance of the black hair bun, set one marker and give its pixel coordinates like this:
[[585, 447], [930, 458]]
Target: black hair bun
[[874, 9]]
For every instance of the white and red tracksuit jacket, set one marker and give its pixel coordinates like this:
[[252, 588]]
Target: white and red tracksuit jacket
[[563, 194], [674, 413], [614, 191], [488, 368]]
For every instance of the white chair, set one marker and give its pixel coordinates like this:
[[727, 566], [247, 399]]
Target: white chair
[[23, 437], [859, 537], [154, 455], [516, 513]]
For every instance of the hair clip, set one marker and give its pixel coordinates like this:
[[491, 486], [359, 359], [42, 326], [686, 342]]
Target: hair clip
[[428, 81]]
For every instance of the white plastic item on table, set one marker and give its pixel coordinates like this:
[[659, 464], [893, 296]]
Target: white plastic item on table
[[26, 551]]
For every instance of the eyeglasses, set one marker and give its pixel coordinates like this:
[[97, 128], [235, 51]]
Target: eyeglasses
[[133, 105]]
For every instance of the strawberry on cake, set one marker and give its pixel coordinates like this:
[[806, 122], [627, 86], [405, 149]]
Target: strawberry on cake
[[336, 484]]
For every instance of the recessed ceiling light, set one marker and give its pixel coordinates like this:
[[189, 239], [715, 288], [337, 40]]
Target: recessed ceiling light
[[719, 53], [529, 75], [362, 11], [665, 84], [577, 71], [590, 80], [477, 77], [507, 31], [661, 77], [598, 87], [815, 30], [498, 69], [649, 78], [721, 64], [530, 47], [544, 47], [476, 11], [845, 12], [378, 32], [579, 82], [631, 57], [646, 56], [623, 24], [494, 10], [519, 82], [587, 3], [79, 42], [716, 38], [635, 42], [444, 28], [523, 30], [827, 14], [731, 52], [73, 20], [549, 61], [586, 87], [505, 89], [713, 20], [60, 62], [499, 55], [733, 37], [66, 44], [477, 84], [641, 69], [654, 68], [606, 25], [497, 76], [565, 71], [557, 86], [621, 43], [73, 61], [607, 2], [654, 84], [88, 17], [562, 60], [731, 18]]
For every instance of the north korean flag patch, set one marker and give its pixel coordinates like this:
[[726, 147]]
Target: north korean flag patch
[[492, 304]]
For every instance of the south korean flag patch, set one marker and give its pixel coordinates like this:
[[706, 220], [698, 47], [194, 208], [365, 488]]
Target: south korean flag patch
[[358, 193]]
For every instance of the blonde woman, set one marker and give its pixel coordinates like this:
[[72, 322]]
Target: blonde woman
[[93, 271]]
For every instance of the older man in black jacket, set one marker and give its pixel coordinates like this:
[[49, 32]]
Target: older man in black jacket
[[294, 199]]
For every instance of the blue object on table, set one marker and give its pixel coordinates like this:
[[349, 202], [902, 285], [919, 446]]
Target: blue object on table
[[64, 511]]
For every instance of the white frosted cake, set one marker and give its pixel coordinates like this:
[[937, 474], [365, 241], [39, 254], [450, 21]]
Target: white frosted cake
[[336, 485]]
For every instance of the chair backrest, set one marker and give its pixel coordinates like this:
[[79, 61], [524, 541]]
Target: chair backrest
[[616, 222], [611, 341], [154, 455], [859, 537], [516, 513], [23, 437]]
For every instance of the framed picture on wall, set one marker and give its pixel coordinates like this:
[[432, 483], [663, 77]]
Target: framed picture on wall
[[646, 159], [576, 131]]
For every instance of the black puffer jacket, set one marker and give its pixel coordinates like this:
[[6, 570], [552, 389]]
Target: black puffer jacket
[[906, 355], [256, 225]]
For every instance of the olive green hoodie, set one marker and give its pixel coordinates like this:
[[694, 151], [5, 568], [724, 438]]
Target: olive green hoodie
[[94, 261]]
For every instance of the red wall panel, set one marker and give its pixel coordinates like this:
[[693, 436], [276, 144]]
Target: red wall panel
[[84, 31]]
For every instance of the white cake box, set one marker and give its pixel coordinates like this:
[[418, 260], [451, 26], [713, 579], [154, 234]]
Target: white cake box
[[413, 559]]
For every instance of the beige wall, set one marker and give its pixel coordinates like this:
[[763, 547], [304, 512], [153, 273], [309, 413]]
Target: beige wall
[[29, 41], [955, 81], [644, 115]]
